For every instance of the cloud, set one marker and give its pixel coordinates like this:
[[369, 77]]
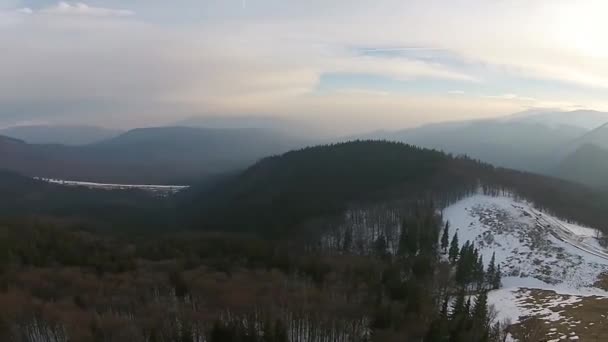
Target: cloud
[[511, 97], [79, 8], [77, 61], [531, 102], [397, 68]]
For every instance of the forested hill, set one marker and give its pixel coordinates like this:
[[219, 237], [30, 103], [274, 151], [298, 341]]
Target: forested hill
[[279, 193]]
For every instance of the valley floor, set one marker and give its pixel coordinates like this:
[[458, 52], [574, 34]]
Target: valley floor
[[552, 270], [158, 189]]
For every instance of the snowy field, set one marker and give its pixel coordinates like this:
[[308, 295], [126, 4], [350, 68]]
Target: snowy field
[[548, 265], [163, 190]]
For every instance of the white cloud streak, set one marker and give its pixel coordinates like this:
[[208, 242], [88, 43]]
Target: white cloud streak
[[79, 8]]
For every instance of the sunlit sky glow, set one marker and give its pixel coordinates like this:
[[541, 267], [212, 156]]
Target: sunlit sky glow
[[347, 65]]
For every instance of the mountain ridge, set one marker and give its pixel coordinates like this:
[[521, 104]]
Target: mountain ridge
[[72, 135], [149, 155]]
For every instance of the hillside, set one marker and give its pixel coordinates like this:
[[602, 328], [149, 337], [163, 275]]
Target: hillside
[[279, 193], [147, 156], [552, 270], [285, 190]]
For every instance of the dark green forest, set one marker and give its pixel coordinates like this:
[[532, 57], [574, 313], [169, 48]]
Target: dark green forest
[[274, 253], [278, 194]]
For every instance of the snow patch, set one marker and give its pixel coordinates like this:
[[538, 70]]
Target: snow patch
[[158, 189]]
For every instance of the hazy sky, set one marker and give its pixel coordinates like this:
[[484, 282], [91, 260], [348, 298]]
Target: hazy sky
[[350, 65]]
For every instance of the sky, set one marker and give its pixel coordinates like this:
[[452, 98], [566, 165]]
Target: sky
[[346, 66]]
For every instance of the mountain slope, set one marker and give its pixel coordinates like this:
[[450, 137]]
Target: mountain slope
[[282, 191], [552, 269], [279, 194], [587, 165], [507, 143], [277, 124], [64, 135], [597, 137], [185, 143], [533, 247], [585, 119], [584, 159], [152, 155]]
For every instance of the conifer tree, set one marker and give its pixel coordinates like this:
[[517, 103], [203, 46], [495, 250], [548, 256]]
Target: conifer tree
[[480, 310], [443, 314], [454, 248], [467, 308], [497, 279], [479, 272], [403, 238], [280, 332], [413, 239], [445, 238], [380, 246], [459, 305], [466, 264], [348, 240], [491, 273], [464, 251]]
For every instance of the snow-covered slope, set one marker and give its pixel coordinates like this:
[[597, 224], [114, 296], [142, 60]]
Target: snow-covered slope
[[538, 254], [533, 248]]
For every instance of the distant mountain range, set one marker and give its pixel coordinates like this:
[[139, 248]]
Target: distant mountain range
[[64, 135], [284, 125], [571, 145], [148, 155], [585, 119]]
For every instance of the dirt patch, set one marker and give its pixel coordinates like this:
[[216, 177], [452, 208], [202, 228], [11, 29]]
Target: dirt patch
[[554, 317], [602, 281]]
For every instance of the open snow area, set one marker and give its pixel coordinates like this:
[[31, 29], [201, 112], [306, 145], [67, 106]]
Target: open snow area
[[534, 249], [157, 189], [549, 266]]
